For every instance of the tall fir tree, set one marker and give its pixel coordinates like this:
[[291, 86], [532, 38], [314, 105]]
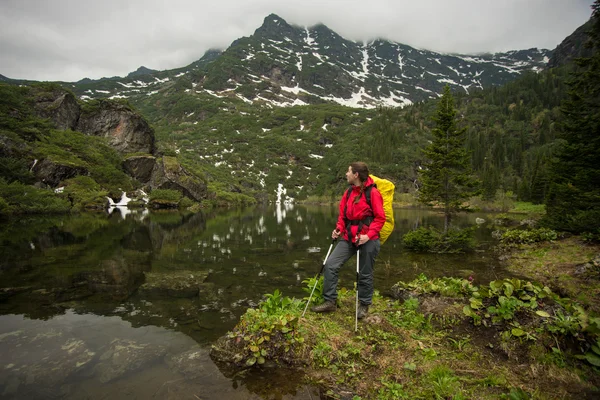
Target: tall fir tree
[[573, 201], [447, 176]]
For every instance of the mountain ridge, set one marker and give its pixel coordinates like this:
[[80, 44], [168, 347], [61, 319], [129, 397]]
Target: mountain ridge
[[284, 65]]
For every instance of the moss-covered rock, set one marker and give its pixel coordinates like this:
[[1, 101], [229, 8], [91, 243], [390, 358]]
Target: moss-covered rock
[[172, 284], [169, 174]]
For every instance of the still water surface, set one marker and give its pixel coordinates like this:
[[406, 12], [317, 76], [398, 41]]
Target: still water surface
[[76, 323]]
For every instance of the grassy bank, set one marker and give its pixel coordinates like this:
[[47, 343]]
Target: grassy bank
[[566, 266], [437, 339]]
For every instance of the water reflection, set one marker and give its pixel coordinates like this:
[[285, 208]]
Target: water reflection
[[181, 277]]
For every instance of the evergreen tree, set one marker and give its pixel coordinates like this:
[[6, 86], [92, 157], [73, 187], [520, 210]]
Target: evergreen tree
[[573, 201], [447, 177]]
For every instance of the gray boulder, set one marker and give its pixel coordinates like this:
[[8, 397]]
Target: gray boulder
[[58, 105], [140, 167], [128, 132], [169, 174], [51, 173]]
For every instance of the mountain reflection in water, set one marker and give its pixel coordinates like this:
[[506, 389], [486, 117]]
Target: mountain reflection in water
[[126, 304]]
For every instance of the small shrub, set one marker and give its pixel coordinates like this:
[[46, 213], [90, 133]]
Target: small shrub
[[186, 202], [434, 241], [85, 193], [446, 286], [419, 240], [4, 206], [518, 236], [591, 237], [164, 198], [317, 297], [23, 199]]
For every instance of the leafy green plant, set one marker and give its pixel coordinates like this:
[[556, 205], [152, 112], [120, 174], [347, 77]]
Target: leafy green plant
[[409, 317], [322, 354], [276, 303], [443, 382], [446, 286], [271, 330], [505, 298], [391, 390], [592, 356], [519, 236], [591, 237], [517, 331], [460, 343], [317, 297]]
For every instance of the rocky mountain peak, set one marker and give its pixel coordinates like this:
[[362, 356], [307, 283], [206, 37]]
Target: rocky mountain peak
[[141, 71], [275, 27]]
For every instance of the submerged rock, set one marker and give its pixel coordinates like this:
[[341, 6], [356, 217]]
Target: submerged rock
[[192, 364], [6, 293], [172, 284], [124, 356], [44, 359]]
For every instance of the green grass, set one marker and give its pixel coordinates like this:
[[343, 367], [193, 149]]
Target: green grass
[[528, 208]]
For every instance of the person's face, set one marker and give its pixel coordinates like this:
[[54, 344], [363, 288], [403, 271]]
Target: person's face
[[352, 177]]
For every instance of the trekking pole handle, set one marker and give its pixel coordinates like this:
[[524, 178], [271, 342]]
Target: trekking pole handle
[[328, 252]]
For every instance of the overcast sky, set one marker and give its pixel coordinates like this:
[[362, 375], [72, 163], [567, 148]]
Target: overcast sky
[[72, 39]]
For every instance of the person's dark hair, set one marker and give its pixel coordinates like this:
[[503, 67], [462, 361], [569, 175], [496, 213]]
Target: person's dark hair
[[362, 170]]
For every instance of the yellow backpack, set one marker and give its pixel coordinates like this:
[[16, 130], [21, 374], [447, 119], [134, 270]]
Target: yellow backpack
[[386, 188]]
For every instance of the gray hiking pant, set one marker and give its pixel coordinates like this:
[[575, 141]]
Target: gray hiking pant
[[342, 253]]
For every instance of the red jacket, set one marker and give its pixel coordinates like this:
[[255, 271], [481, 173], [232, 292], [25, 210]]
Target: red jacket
[[360, 211]]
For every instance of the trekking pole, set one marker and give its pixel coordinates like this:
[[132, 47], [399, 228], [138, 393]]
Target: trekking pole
[[317, 277], [357, 272]]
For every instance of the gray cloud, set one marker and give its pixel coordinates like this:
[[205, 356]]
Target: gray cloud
[[69, 39]]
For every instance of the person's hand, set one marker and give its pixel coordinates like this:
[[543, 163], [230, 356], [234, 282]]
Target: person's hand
[[335, 234], [361, 239]]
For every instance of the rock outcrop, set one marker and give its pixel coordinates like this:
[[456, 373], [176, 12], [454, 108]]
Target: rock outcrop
[[140, 167], [51, 173], [169, 174], [128, 132], [572, 47], [58, 105]]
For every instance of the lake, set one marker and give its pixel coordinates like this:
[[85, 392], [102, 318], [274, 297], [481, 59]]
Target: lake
[[85, 313]]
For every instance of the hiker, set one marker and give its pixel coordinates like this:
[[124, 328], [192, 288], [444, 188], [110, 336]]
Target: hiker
[[359, 225]]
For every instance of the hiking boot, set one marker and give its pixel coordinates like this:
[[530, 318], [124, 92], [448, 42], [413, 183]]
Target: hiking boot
[[327, 306], [363, 310]]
